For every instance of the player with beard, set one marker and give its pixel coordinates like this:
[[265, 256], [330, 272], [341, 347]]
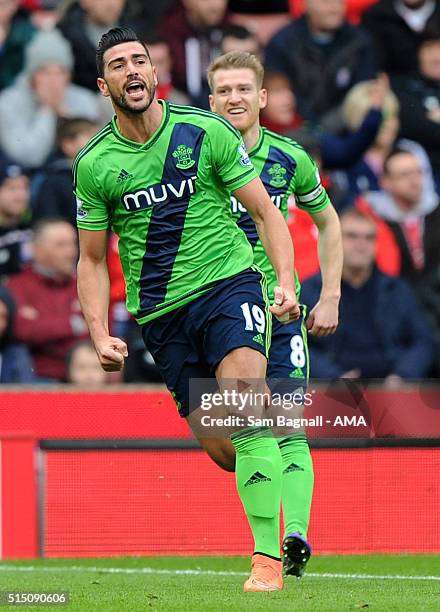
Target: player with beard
[[162, 176], [286, 169]]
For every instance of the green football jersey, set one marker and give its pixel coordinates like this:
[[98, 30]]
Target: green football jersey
[[285, 168], [168, 200]]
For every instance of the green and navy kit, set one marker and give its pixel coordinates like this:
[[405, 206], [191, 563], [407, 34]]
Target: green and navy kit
[[169, 202], [285, 168]]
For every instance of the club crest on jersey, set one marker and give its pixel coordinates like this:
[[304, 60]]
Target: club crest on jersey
[[183, 156], [277, 173]]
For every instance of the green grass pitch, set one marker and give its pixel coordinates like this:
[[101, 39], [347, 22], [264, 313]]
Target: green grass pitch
[[212, 584]]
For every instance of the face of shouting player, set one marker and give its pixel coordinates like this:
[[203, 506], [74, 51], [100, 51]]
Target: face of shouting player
[[129, 78], [237, 97]]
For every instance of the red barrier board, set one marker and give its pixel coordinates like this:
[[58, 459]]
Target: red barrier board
[[18, 496], [119, 413], [101, 503], [142, 413]]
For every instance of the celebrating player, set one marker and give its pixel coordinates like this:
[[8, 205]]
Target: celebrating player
[[285, 168], [161, 176]]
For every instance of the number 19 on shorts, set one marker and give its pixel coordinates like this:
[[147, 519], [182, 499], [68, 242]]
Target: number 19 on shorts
[[254, 317]]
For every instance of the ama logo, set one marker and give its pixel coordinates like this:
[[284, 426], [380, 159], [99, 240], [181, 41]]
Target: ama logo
[[143, 198]]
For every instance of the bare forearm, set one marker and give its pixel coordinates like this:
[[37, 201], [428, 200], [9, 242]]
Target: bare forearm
[[93, 293], [330, 258], [274, 235]]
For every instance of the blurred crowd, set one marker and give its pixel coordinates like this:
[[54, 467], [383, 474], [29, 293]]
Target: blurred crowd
[[356, 82]]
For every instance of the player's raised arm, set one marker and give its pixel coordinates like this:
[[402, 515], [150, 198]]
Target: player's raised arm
[[93, 293], [274, 235]]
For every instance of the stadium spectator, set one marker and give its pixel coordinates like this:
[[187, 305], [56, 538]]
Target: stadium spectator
[[364, 175], [194, 32], [419, 99], [280, 113], [410, 206], [30, 109], [44, 13], [238, 38], [397, 28], [323, 56], [429, 294], [147, 15], [83, 367], [15, 360], [345, 150], [52, 193], [258, 7], [163, 62], [353, 8], [15, 234], [262, 17], [48, 318], [83, 24], [382, 332], [16, 30]]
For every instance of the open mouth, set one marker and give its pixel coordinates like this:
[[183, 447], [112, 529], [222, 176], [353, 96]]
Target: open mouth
[[237, 111], [135, 90]]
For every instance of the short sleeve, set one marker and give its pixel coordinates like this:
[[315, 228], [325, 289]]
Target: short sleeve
[[91, 210], [230, 157], [310, 195]]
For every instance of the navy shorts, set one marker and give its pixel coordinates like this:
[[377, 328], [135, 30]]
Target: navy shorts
[[191, 341], [288, 365]]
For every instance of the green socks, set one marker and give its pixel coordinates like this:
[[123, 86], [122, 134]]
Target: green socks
[[297, 483], [258, 477], [268, 473]]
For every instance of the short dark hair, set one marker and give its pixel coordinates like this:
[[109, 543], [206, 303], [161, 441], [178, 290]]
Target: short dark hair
[[72, 351], [238, 31], [394, 153], [352, 212], [430, 36], [115, 36], [70, 128], [153, 38], [39, 227]]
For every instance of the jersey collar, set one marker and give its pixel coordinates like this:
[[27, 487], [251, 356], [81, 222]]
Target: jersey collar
[[154, 137], [257, 146]]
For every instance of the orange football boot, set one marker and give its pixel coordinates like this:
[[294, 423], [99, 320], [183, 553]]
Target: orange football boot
[[266, 575]]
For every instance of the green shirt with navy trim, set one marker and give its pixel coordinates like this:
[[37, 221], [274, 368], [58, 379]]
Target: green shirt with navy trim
[[285, 169], [168, 200]]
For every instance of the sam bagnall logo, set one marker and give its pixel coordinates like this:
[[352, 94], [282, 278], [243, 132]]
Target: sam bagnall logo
[[277, 173], [256, 478], [183, 156], [143, 198]]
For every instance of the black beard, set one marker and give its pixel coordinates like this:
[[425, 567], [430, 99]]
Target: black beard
[[124, 105]]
